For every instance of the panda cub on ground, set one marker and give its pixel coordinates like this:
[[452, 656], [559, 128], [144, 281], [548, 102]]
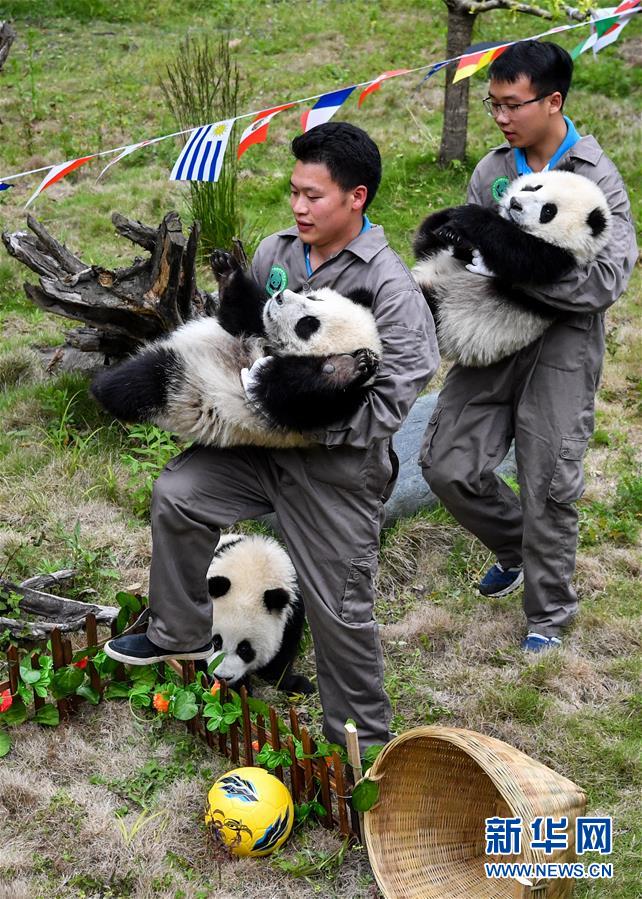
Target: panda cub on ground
[[257, 612], [318, 352], [547, 223]]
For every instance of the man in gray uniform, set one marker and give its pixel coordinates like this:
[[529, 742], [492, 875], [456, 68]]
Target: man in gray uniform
[[543, 395], [328, 499]]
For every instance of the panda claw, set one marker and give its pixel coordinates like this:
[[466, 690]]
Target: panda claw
[[224, 265]]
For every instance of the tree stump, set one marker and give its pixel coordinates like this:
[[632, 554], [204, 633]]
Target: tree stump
[[122, 308]]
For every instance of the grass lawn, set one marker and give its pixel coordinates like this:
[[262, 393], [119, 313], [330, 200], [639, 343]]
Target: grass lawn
[[111, 805]]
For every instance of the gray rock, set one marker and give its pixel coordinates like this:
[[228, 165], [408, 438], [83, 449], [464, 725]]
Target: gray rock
[[411, 492]]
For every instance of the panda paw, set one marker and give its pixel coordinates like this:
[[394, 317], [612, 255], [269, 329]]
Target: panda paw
[[224, 265], [367, 365]]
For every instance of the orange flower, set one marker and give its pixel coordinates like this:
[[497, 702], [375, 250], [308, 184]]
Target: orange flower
[[215, 688], [255, 745], [81, 663], [161, 703], [6, 700]]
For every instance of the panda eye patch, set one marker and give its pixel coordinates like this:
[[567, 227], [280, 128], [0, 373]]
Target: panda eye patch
[[245, 651], [533, 187], [217, 642], [547, 213], [307, 326]]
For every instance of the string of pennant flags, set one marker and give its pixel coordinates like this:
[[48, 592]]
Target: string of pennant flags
[[201, 159]]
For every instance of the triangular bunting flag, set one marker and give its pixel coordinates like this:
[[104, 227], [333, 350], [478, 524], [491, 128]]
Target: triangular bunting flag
[[376, 84], [57, 172], [202, 156], [257, 132], [127, 151], [473, 62], [324, 108]]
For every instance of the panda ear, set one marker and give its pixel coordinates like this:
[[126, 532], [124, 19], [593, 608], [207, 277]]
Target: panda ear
[[307, 326], [218, 586], [362, 296], [276, 599], [596, 221], [568, 166]]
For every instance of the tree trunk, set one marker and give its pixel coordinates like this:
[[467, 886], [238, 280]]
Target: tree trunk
[[7, 37], [455, 127], [123, 308]]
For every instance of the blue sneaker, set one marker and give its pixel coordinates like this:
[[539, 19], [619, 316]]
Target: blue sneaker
[[538, 643], [138, 649], [500, 581]]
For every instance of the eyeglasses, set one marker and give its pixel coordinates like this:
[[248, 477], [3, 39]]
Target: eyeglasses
[[494, 109]]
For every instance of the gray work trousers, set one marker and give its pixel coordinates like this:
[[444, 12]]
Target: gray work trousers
[[332, 535], [543, 397]]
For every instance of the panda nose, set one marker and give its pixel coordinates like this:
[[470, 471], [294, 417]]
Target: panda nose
[[515, 204], [278, 298]]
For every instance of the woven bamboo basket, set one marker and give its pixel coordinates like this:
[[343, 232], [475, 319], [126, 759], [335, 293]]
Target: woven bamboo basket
[[426, 834]]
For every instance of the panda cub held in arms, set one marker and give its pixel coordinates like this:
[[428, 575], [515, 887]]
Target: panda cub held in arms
[[318, 353], [257, 612], [547, 224]]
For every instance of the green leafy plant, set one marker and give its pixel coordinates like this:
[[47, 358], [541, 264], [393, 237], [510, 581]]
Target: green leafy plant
[[151, 449], [202, 86]]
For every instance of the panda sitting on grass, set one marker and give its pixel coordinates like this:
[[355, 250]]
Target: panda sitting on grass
[[261, 373], [257, 613], [475, 264]]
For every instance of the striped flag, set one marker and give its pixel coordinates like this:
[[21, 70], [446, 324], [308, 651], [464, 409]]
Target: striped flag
[[258, 130], [473, 62], [376, 84], [325, 108], [201, 158], [56, 173]]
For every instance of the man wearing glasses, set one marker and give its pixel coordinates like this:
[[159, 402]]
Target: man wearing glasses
[[543, 395]]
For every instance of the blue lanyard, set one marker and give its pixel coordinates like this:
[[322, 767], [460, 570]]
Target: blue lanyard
[[572, 137], [367, 225]]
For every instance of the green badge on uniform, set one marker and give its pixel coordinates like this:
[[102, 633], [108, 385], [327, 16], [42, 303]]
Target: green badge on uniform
[[498, 188], [277, 281]]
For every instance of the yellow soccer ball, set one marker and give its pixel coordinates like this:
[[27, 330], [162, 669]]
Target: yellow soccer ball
[[251, 810]]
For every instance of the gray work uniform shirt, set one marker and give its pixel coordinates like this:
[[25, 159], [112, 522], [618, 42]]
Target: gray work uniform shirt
[[590, 289], [354, 453]]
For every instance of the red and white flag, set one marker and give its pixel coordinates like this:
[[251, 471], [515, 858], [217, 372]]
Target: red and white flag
[[57, 172], [325, 108], [257, 132], [376, 84]]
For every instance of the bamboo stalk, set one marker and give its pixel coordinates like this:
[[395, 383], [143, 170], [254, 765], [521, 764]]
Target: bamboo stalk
[[91, 630], [326, 797], [13, 660], [38, 701], [275, 740], [344, 826], [354, 759], [58, 656], [247, 727], [307, 764]]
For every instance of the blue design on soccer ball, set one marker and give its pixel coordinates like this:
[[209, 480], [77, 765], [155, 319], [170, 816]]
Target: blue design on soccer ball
[[236, 787], [273, 834]]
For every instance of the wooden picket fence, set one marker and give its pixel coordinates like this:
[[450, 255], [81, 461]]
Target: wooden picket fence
[[328, 781]]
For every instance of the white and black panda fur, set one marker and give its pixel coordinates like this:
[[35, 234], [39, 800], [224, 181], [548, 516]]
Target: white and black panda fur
[[547, 223], [323, 350], [258, 612]]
